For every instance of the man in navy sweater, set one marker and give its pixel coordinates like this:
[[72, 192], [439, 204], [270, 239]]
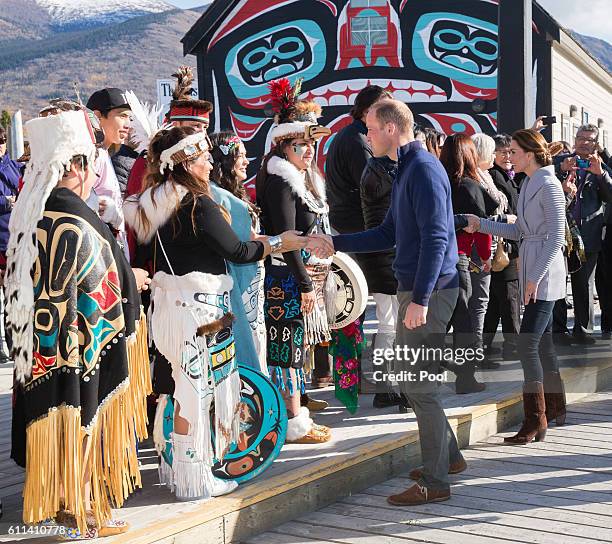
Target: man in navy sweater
[[420, 226]]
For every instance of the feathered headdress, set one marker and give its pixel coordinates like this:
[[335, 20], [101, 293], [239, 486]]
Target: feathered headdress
[[294, 118], [183, 107], [184, 82], [146, 121], [284, 98]]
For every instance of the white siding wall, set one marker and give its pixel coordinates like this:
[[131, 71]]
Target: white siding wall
[[578, 84]]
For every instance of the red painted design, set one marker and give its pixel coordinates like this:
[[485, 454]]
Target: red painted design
[[332, 7], [244, 12], [349, 52], [474, 92], [42, 365], [245, 131]]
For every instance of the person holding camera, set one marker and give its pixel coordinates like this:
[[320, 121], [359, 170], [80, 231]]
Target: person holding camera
[[588, 194]]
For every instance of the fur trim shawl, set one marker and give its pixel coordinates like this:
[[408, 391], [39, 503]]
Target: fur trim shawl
[[157, 205], [286, 170]]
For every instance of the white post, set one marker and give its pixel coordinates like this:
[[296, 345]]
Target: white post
[[16, 139]]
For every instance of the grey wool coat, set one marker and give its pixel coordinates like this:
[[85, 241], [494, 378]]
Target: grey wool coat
[[540, 230]]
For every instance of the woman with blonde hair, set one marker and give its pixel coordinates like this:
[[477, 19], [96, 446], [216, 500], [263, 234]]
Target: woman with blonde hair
[[540, 228], [481, 280]]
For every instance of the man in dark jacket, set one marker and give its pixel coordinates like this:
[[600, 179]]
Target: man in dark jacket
[[376, 185], [10, 174], [594, 189], [420, 225], [123, 161], [504, 297], [346, 160]]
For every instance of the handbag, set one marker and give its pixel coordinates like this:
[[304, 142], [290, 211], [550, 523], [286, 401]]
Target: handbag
[[500, 259], [576, 255]]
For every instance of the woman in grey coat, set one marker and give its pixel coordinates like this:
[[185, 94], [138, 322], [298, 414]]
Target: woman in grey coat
[[540, 229]]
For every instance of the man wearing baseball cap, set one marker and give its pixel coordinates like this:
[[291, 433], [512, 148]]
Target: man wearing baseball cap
[[111, 107]]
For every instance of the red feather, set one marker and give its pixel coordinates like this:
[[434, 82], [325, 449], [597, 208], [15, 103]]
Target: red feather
[[281, 92]]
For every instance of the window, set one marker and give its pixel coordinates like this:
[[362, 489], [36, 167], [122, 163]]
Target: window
[[368, 27], [585, 117]]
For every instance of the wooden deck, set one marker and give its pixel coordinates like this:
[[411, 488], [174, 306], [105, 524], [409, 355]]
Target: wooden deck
[[555, 492], [368, 448]]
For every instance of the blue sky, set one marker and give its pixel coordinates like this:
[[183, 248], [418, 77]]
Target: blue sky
[[591, 18]]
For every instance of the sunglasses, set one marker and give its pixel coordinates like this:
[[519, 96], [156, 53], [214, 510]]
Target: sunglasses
[[2, 141]]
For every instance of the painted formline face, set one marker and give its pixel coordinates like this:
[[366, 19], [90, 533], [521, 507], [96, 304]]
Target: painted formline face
[[343, 93]]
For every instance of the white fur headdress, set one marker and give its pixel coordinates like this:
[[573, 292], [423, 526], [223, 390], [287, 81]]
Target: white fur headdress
[[54, 140]]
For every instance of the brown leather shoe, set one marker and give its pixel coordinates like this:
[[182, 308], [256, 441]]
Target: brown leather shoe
[[419, 494], [453, 468]]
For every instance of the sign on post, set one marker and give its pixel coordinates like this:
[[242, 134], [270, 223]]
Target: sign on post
[[164, 92]]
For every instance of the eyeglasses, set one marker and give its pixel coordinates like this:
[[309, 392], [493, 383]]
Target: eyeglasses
[[503, 152]]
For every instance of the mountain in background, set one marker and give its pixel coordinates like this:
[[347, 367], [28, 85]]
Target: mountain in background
[[600, 49], [39, 18], [130, 55]]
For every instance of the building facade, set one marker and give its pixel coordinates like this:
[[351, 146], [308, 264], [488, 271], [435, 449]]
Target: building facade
[[438, 56]]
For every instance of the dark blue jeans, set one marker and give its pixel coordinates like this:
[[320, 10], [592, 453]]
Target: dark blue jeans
[[535, 346]]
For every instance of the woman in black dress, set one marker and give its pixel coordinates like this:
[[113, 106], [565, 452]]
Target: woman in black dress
[[191, 321], [291, 195]]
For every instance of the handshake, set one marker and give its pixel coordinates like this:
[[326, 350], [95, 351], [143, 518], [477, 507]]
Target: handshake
[[320, 245]]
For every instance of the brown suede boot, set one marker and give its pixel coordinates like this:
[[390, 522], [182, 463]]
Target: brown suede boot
[[534, 425], [554, 395]]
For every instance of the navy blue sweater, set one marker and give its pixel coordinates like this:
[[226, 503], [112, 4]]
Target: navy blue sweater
[[419, 224]]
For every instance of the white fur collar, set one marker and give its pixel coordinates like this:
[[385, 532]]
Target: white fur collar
[[286, 170], [158, 206]]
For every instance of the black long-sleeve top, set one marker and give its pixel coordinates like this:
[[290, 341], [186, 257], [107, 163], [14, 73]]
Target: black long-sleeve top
[[208, 247], [281, 211]]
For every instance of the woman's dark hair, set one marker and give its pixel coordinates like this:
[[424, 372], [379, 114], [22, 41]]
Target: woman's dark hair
[[2, 133], [419, 131], [280, 150], [367, 96], [532, 141], [432, 140], [223, 166], [459, 158]]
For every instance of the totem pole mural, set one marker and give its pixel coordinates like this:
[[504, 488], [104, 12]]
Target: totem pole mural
[[438, 56]]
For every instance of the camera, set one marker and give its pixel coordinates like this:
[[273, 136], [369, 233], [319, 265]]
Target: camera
[[583, 164], [549, 120]]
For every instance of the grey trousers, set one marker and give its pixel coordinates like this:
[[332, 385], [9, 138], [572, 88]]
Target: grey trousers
[[438, 443], [479, 302]]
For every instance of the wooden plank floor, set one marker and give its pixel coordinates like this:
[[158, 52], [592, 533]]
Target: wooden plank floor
[[555, 492], [350, 432]]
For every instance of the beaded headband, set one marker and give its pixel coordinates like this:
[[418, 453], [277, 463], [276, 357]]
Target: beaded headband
[[187, 149]]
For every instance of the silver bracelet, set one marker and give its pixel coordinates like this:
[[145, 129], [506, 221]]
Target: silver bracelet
[[276, 243]]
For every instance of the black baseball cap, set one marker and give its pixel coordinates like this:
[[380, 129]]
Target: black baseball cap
[[107, 99]]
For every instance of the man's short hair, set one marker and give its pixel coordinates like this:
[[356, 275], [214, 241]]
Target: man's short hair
[[502, 141], [589, 128], [395, 112], [366, 98]]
